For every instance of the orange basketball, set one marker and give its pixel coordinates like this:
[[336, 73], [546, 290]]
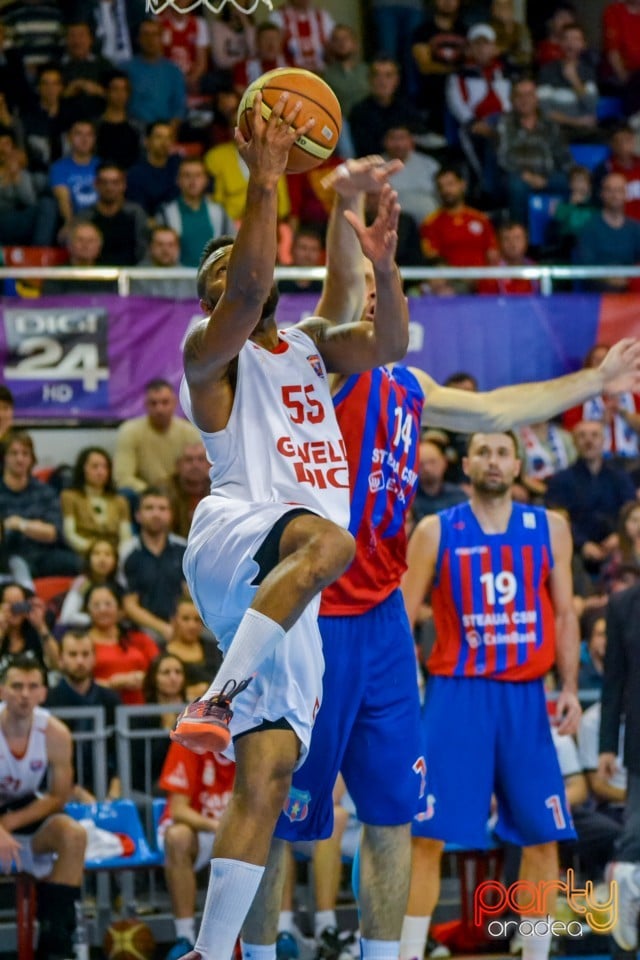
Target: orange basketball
[[129, 940], [318, 101]]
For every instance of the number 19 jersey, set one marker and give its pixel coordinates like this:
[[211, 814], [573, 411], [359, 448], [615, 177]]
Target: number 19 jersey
[[492, 608]]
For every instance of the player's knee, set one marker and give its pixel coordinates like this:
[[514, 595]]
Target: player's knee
[[178, 842], [264, 792], [331, 553], [70, 838]]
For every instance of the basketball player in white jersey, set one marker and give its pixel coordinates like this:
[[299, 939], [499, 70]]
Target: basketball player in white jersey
[[272, 533], [35, 837]]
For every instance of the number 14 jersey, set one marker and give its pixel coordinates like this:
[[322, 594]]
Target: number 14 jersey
[[492, 608]]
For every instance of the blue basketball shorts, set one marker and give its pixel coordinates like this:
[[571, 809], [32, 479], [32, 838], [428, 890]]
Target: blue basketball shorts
[[483, 737], [368, 726]]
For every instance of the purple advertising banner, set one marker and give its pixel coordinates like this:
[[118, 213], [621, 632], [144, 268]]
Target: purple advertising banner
[[88, 357]]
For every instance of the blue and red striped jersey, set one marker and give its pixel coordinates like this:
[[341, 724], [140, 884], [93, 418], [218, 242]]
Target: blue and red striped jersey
[[379, 415], [492, 607]]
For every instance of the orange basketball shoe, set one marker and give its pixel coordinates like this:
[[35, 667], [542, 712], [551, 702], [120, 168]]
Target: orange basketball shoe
[[204, 726]]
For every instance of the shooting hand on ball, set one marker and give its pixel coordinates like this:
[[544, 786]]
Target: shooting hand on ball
[[267, 150]]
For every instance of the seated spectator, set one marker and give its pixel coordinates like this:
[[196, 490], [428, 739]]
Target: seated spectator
[[345, 72], [591, 492], [626, 557], [163, 683], [194, 217], [201, 657], [624, 160], [199, 788], [23, 627], [123, 655], [306, 30], [185, 41], [117, 139], [592, 658], [35, 32], [73, 177], [385, 107], [36, 834], [24, 218], [550, 48], [568, 89], [42, 124], [545, 449], [100, 567], [434, 493], [610, 793], [478, 94], [230, 178], [164, 254], [147, 447], [84, 73], [14, 86], [187, 486], [513, 243], [30, 513], [158, 89], [610, 238], [438, 46], [116, 27], [153, 180], [123, 225], [77, 688], [456, 233], [225, 114], [152, 566], [415, 183], [307, 250], [269, 55], [7, 407], [84, 246], [232, 36], [570, 216], [532, 152], [618, 415], [512, 37], [621, 46], [91, 508]]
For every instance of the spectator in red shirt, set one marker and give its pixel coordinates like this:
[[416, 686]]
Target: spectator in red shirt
[[270, 54], [514, 242], [456, 233], [626, 161], [199, 788], [621, 42], [551, 48]]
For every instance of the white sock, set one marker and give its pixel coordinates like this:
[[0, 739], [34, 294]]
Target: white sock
[[255, 640], [232, 886], [285, 921], [258, 951], [186, 927], [536, 946], [413, 943], [379, 949], [324, 919]]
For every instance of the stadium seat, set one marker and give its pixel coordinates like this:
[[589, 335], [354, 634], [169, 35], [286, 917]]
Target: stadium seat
[[541, 209], [117, 816], [35, 256], [609, 108], [49, 587], [589, 155]]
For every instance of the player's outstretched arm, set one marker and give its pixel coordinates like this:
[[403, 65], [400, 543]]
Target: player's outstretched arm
[[422, 554], [568, 709], [343, 292], [513, 406], [249, 274], [354, 347]]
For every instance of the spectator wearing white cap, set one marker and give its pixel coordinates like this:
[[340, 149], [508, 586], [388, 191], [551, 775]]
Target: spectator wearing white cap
[[477, 96]]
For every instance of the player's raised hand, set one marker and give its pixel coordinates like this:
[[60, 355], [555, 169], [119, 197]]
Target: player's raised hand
[[267, 150], [620, 368], [366, 175], [380, 239]]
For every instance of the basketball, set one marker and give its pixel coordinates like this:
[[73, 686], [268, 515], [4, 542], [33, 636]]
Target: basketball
[[129, 940], [318, 101]]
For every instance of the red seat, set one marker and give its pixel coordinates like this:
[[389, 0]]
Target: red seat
[[49, 587], [35, 256]]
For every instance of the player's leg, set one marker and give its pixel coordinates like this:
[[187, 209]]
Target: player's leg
[[59, 892], [261, 925], [327, 871], [424, 893], [265, 760], [180, 845], [301, 555]]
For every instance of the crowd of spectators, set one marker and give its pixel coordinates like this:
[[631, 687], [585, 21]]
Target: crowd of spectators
[[126, 121]]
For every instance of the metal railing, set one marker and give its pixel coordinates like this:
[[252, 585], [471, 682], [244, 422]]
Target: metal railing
[[545, 274]]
